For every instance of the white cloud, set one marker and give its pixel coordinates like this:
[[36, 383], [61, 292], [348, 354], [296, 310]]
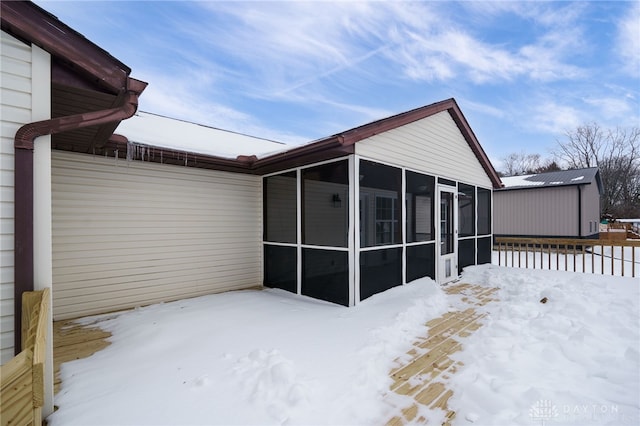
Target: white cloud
[[289, 44], [184, 98], [339, 63], [545, 14], [483, 108], [443, 50], [555, 118], [610, 107], [455, 54], [628, 41]]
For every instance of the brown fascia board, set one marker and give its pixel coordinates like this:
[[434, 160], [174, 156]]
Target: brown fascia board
[[380, 126], [300, 156], [344, 141], [290, 162], [338, 145], [475, 146], [118, 143], [368, 130], [27, 21]]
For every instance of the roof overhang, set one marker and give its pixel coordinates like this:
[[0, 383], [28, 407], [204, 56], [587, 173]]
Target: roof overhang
[[556, 179], [541, 187], [84, 77], [335, 146], [451, 106], [29, 22]]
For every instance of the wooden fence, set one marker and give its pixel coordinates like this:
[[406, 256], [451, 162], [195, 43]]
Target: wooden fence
[[22, 378], [608, 257]]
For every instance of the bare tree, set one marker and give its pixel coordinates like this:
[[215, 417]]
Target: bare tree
[[616, 152], [522, 164]]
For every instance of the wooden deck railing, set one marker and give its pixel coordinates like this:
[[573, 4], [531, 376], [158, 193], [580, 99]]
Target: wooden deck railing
[[22, 378], [607, 257]]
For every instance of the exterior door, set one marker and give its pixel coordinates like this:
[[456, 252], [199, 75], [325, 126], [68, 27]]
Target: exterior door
[[447, 230]]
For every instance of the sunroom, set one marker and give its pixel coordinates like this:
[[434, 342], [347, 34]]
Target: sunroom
[[412, 200]]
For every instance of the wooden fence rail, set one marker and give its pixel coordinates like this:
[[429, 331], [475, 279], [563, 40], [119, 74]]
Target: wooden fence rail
[[607, 257], [22, 378]]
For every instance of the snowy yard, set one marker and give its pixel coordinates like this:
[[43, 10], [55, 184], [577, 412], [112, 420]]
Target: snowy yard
[[269, 357]]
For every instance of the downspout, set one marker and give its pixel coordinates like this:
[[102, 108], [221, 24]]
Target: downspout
[[24, 148]]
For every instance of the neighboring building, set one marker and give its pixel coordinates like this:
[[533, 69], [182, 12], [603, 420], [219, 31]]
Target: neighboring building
[[117, 221], [563, 204]]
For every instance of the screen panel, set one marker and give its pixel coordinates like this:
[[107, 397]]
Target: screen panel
[[280, 267], [380, 270], [325, 275], [421, 262]]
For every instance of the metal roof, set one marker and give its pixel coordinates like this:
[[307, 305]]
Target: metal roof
[[553, 179]]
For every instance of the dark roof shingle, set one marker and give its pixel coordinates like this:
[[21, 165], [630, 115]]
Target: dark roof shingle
[[559, 178]]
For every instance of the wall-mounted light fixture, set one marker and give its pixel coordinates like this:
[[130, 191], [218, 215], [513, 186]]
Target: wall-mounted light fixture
[[337, 202]]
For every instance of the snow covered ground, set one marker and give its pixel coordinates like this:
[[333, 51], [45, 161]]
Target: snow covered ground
[[574, 360], [268, 357]]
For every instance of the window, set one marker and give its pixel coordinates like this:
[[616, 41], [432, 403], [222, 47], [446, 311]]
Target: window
[[386, 222], [466, 210], [280, 208], [325, 208], [380, 209], [446, 223], [484, 211], [419, 204]]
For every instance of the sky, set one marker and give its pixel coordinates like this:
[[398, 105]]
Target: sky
[[523, 73]]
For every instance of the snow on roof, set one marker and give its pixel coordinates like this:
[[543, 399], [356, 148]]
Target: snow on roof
[[523, 180], [155, 130], [562, 177]]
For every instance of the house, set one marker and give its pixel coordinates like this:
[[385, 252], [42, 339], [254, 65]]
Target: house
[[325, 219], [59, 91], [166, 209], [562, 204]]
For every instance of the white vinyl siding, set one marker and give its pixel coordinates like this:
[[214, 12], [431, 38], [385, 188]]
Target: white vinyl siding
[[130, 233], [433, 145], [15, 111]]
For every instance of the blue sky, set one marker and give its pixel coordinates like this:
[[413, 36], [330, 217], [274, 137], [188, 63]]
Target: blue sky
[[523, 73]]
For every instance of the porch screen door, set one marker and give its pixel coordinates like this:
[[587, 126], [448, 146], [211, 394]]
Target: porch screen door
[[448, 235]]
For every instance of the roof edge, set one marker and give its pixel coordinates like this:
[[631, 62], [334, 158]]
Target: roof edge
[[474, 144], [371, 129], [342, 143], [368, 130], [28, 21], [537, 187]]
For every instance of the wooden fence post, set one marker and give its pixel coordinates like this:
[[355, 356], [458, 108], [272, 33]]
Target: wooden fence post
[[22, 378], [521, 246]]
